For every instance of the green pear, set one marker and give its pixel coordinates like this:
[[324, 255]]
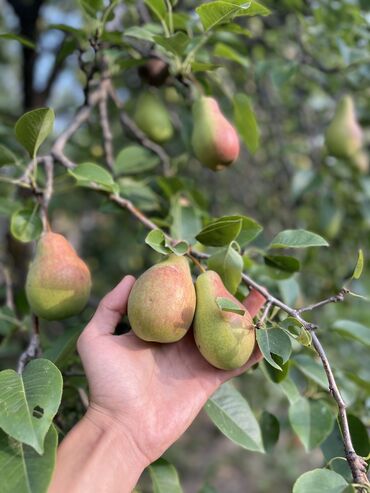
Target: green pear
[[152, 117], [226, 340], [162, 302], [58, 282], [214, 139], [344, 136]]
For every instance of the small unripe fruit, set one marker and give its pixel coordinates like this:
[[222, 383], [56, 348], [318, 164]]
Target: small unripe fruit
[[58, 282], [214, 140], [152, 117], [344, 136]]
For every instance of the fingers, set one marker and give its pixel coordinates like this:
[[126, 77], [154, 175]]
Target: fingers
[[254, 302], [111, 308]]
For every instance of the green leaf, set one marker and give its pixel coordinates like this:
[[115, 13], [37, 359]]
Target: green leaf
[[21, 39], [223, 50], [215, 13], [274, 374], [320, 480], [249, 231], [359, 435], [139, 193], [246, 123], [312, 421], [297, 238], [33, 127], [86, 173], [7, 157], [296, 331], [29, 402], [158, 7], [353, 330], [140, 33], [290, 390], [91, 7], [185, 219], [63, 347], [227, 305], [164, 477], [180, 248], [313, 370], [221, 231], [22, 470], [157, 240], [134, 159], [274, 341], [228, 263], [359, 265], [25, 225], [270, 428], [231, 413], [282, 262], [175, 44]]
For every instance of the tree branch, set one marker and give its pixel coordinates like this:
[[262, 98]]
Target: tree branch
[[33, 349], [106, 130]]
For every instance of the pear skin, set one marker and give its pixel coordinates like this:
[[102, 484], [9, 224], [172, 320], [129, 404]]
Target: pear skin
[[152, 117], [162, 302], [344, 136], [214, 139], [58, 282], [226, 340]]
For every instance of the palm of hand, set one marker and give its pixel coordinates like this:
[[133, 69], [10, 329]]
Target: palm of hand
[[163, 387]]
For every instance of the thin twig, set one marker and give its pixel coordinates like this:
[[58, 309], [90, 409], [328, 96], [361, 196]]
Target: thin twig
[[333, 299], [33, 349], [264, 316], [106, 130]]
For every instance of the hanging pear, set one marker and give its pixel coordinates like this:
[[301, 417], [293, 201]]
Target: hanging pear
[[214, 140], [225, 339], [161, 304], [58, 282], [344, 136], [152, 117]]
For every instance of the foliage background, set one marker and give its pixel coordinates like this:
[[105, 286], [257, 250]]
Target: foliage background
[[294, 67]]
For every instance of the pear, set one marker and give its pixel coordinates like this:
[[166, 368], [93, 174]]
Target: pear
[[360, 161], [58, 282], [226, 340], [344, 136], [214, 139], [152, 117], [161, 304]]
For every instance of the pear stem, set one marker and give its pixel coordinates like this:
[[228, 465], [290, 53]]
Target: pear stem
[[196, 262]]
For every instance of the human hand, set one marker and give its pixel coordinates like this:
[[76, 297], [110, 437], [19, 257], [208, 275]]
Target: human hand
[[148, 392]]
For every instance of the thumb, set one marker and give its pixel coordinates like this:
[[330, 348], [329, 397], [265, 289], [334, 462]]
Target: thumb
[[111, 308]]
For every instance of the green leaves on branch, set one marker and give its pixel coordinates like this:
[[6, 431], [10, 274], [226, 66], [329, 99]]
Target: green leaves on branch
[[359, 265], [164, 477], [297, 238], [353, 330], [87, 173], [134, 159], [312, 421], [215, 13], [33, 127], [21, 39], [274, 341], [227, 305], [224, 230], [156, 239], [246, 122], [228, 263], [26, 409], [7, 157], [26, 225], [22, 470], [231, 413], [321, 480]]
